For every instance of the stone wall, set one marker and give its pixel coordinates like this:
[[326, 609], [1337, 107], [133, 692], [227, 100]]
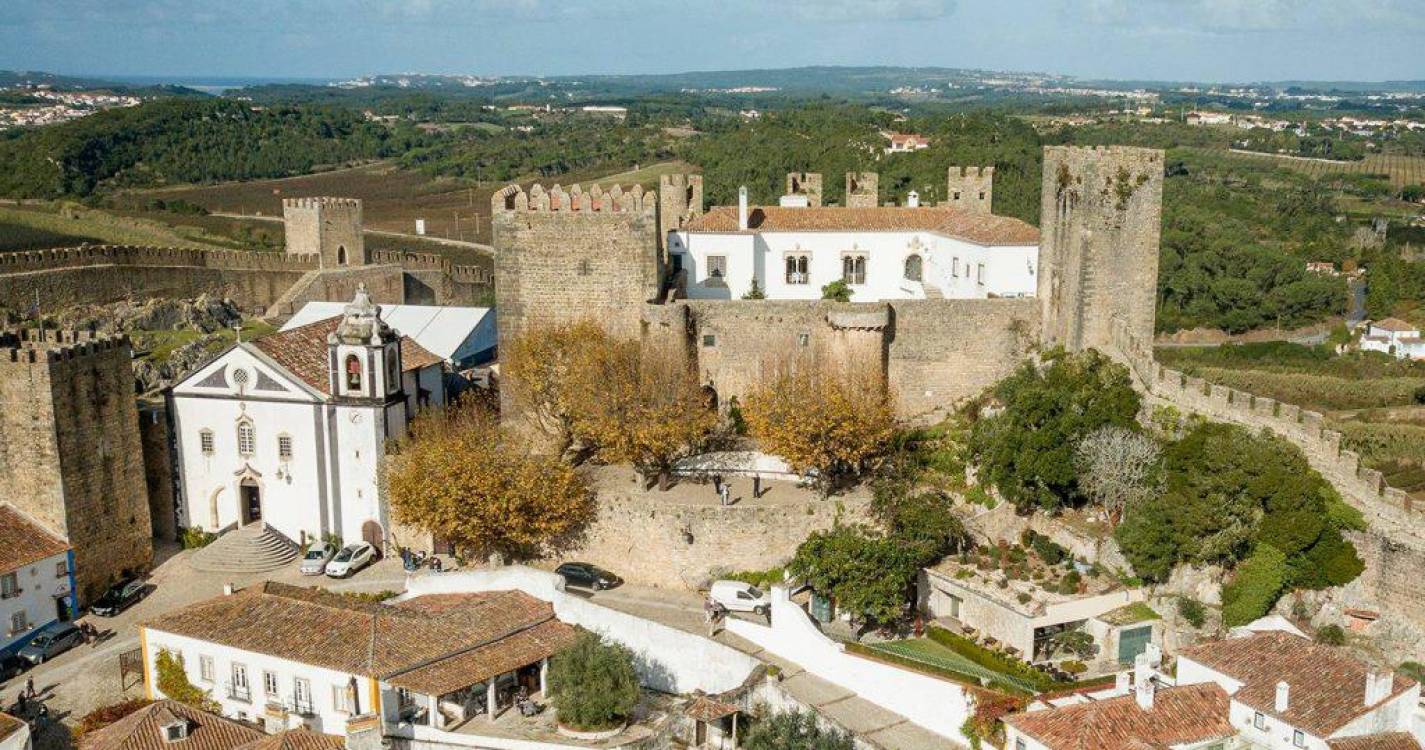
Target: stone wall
[[945, 351], [1100, 220], [158, 469], [970, 188], [862, 189], [329, 228], [71, 452], [386, 285], [645, 539]]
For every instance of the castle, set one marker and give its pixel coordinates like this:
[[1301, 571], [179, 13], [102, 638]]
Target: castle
[[946, 299]]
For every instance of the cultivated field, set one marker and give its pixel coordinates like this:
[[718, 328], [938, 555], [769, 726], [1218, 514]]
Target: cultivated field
[[34, 227], [1402, 170]]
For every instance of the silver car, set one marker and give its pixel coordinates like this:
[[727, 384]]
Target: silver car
[[351, 558], [314, 561]]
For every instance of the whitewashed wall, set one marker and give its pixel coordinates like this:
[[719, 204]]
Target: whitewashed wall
[[669, 660], [39, 584], [938, 705]]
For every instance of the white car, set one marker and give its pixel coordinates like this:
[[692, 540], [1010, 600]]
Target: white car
[[314, 562], [351, 558], [736, 596]]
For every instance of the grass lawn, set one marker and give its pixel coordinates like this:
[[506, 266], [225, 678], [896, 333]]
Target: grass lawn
[[36, 227], [941, 658], [158, 346]]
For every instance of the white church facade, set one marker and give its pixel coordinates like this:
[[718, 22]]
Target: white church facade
[[289, 430]]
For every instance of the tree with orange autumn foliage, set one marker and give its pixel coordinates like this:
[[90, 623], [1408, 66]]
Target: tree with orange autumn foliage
[[822, 421], [457, 476], [540, 368], [640, 405]]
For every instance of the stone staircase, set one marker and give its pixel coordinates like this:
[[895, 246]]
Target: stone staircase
[[251, 549]]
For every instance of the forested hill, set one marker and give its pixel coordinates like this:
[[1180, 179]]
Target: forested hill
[[188, 140]]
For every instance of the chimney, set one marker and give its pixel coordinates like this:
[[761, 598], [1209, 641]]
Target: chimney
[[1122, 683], [1378, 686], [742, 208], [228, 589], [1283, 697], [1143, 685], [912, 199]]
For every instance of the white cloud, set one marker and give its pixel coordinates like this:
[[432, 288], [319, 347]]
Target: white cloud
[[1248, 16]]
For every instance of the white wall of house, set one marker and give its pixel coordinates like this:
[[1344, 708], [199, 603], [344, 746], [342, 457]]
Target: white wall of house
[[958, 269], [670, 660], [18, 739], [938, 705], [328, 687], [32, 605]]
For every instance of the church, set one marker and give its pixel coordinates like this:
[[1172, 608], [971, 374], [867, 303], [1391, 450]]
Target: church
[[289, 430]]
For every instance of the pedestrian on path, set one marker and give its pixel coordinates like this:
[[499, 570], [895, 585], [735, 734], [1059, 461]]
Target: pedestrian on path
[[30, 686], [717, 484], [725, 494]]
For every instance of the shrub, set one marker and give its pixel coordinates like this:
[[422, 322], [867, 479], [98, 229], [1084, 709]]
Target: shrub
[[1069, 584], [1331, 635], [762, 579], [1413, 669], [594, 684], [105, 715], [1024, 597], [988, 659], [1255, 586], [1074, 666], [795, 730], [1192, 611], [173, 682], [195, 538]]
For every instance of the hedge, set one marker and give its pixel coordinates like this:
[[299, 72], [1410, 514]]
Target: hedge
[[1255, 586]]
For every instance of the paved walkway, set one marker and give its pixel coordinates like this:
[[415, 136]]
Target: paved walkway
[[622, 480]]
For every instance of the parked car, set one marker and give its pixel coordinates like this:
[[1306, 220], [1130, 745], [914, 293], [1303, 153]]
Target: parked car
[[11, 667], [351, 558], [52, 640], [314, 562], [736, 596], [587, 576], [119, 597]]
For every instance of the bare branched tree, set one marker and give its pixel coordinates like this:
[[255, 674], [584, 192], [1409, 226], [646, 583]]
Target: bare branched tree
[[1117, 467]]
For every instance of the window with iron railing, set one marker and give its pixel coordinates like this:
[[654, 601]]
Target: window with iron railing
[[797, 269], [853, 269], [9, 586]]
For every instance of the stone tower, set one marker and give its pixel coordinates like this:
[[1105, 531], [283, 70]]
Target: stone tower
[[862, 189], [805, 183], [970, 188], [326, 227], [70, 449], [680, 198], [1100, 220]]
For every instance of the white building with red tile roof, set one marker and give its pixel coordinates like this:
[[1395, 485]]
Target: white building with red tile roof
[[36, 579], [882, 252], [289, 430], [1395, 337]]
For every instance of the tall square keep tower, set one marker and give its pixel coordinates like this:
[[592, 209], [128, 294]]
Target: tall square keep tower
[[326, 227]]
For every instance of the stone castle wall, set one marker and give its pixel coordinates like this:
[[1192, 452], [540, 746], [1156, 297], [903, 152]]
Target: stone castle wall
[[970, 188], [643, 538], [71, 451], [945, 351], [1100, 220]]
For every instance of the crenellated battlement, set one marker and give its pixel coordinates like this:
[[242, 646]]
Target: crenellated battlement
[[321, 201], [556, 199], [142, 255], [411, 261], [977, 172], [34, 346]]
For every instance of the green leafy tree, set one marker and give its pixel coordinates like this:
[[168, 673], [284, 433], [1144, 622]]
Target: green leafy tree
[[795, 730], [1027, 450], [868, 574], [1254, 588], [837, 291], [593, 683]]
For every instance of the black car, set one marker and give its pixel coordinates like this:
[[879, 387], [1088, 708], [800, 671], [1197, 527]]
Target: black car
[[11, 667], [119, 597], [587, 576]]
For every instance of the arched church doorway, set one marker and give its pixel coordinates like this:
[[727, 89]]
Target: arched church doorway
[[372, 534]]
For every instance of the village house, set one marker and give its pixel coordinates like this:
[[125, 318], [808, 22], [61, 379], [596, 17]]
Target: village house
[[902, 143], [1395, 337], [287, 433], [36, 579], [1270, 690], [289, 657]]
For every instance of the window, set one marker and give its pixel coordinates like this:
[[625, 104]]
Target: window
[[584, 268], [239, 689], [205, 441], [853, 269], [709, 340], [205, 668], [353, 372], [247, 438], [341, 255], [1298, 738], [9, 586], [176, 731], [341, 699], [717, 266], [240, 378], [803, 339], [269, 686], [912, 267], [61, 569], [980, 274], [797, 269], [982, 195], [284, 447], [19, 623], [302, 695], [955, 266], [957, 195], [1259, 721]]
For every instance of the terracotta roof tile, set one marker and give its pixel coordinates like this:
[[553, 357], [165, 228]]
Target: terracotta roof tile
[[705, 709], [1191, 713], [303, 352], [1386, 741], [1394, 324], [1328, 688], [296, 739], [24, 541], [983, 229], [320, 628], [479, 664], [143, 730]]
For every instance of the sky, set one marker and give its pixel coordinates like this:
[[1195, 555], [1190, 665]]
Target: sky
[[1182, 40]]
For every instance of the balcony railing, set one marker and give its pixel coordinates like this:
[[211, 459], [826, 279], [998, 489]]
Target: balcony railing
[[796, 277], [238, 692]]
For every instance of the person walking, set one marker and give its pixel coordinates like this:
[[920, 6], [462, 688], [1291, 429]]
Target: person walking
[[30, 686], [717, 484], [725, 495]]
